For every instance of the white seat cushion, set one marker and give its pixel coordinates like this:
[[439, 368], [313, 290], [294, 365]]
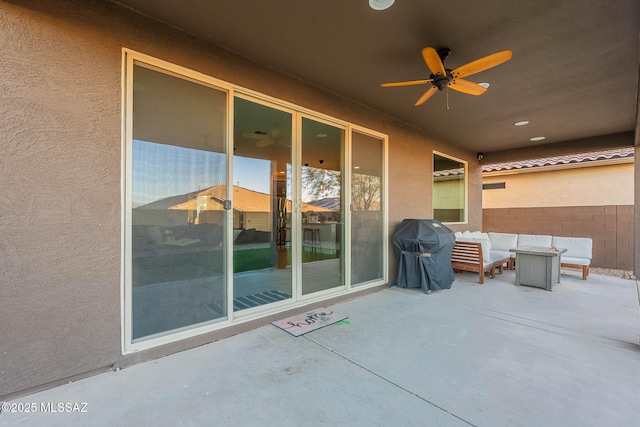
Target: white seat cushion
[[485, 245], [577, 247], [503, 241], [498, 254], [535, 240], [573, 260]]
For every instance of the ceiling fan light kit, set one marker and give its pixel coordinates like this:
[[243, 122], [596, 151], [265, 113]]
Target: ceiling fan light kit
[[381, 4], [442, 78]]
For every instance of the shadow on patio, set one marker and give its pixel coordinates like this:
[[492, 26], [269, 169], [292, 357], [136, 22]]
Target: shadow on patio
[[483, 355]]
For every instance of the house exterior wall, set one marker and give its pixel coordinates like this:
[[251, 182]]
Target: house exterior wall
[[595, 202], [61, 178], [607, 185]]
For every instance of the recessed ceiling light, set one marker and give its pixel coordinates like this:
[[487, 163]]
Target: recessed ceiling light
[[484, 85], [522, 123], [381, 4], [537, 138]]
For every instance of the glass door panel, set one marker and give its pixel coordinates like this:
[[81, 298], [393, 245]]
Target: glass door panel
[[322, 214], [178, 180], [261, 205], [367, 225]]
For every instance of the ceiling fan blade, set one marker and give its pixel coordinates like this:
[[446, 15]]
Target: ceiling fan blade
[[428, 94], [465, 86], [433, 61], [264, 143], [482, 64], [408, 83]]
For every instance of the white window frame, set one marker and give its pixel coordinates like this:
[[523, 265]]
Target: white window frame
[[466, 186], [129, 57]]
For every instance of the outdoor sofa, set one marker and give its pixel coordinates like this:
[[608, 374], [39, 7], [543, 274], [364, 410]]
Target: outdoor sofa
[[498, 246]]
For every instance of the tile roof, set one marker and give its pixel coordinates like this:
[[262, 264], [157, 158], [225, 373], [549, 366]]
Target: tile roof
[[449, 172], [618, 153]]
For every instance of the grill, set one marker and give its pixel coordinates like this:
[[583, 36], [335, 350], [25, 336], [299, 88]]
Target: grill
[[425, 247]]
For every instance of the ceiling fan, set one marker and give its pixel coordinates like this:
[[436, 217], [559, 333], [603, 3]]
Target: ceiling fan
[[442, 78]]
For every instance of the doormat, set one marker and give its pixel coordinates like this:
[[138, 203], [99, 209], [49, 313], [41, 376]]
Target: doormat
[[261, 298], [250, 301], [310, 321]]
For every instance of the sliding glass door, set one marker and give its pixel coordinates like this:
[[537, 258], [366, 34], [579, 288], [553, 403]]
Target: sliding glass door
[[322, 206], [238, 205], [367, 208], [177, 218], [261, 205]]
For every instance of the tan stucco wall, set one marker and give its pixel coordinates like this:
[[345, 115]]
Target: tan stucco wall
[[60, 174], [592, 186]]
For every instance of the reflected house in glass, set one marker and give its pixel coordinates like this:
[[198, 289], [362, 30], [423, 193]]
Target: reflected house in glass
[[251, 209]]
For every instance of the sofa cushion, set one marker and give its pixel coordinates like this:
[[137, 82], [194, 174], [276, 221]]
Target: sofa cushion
[[535, 240], [485, 243], [499, 254], [486, 247], [503, 241], [577, 247], [573, 260], [479, 234]]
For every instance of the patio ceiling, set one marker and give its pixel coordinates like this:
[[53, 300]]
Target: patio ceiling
[[573, 74]]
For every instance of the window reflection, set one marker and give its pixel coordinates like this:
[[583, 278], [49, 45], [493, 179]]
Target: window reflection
[[261, 205], [366, 205], [449, 189], [177, 186], [322, 148]]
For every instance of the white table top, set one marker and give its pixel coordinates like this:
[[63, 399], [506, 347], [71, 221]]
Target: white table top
[[538, 250]]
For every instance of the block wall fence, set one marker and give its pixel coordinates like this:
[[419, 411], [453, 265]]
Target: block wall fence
[[610, 227]]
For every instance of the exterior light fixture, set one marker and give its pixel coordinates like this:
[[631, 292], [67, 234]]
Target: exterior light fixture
[[381, 4]]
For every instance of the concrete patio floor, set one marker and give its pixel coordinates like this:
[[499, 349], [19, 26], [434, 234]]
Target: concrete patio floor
[[481, 355]]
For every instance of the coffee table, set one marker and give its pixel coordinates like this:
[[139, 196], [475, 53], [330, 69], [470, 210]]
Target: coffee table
[[538, 266]]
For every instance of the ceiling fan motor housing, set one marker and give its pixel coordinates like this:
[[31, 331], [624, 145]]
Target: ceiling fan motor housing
[[441, 81]]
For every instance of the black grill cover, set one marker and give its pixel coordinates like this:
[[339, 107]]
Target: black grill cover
[[425, 247]]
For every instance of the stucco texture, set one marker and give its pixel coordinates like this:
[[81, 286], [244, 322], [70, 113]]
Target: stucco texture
[[61, 172], [587, 186], [60, 200]]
